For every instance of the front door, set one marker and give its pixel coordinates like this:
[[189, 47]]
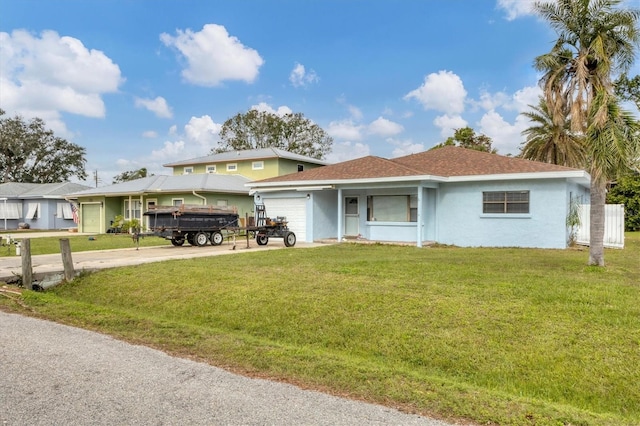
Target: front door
[[351, 217], [151, 204]]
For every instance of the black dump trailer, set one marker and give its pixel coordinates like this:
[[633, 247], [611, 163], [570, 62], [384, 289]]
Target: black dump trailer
[[199, 225]]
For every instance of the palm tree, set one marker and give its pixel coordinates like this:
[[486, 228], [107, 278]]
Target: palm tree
[[596, 38], [550, 139]]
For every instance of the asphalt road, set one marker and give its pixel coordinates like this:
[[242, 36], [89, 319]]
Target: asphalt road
[[51, 374]]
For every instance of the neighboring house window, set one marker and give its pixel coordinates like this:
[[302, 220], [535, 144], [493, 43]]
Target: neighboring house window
[[257, 165], [177, 202], [135, 209], [392, 208], [33, 211], [188, 170], [10, 210], [505, 202], [211, 168], [64, 211], [232, 167], [300, 167], [222, 203]]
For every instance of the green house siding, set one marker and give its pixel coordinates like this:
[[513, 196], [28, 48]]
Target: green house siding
[[271, 167]]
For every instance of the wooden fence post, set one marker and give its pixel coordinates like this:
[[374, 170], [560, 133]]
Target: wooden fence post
[[27, 272], [67, 262]]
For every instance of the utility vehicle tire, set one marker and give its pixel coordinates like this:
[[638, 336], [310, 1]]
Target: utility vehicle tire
[[262, 239], [191, 240], [201, 239], [177, 241], [216, 238], [289, 239]]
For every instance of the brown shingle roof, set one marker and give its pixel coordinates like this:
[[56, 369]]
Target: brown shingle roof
[[445, 162], [455, 161]]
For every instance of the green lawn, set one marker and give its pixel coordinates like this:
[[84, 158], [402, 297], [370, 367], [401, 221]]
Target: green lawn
[[492, 336]]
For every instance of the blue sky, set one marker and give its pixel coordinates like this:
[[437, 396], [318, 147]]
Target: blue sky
[[140, 83]]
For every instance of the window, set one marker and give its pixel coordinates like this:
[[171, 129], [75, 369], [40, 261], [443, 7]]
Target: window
[[187, 170], [222, 203], [257, 165], [392, 208], [135, 209], [300, 168], [505, 202], [33, 211], [232, 167], [10, 210], [211, 168], [177, 202], [64, 211]]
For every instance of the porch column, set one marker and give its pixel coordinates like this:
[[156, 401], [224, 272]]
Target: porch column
[[419, 219], [340, 215]]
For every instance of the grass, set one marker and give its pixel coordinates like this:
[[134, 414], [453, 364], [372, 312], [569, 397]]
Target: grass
[[491, 336], [50, 245]]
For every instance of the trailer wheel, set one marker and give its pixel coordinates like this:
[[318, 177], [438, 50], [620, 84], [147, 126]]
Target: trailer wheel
[[191, 240], [177, 241], [216, 238], [289, 239], [262, 239], [201, 239]]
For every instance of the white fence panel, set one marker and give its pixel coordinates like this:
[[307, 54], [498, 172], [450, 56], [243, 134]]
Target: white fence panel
[[613, 225]]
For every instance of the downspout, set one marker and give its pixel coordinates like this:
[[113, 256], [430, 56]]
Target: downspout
[[420, 217], [204, 199], [340, 214]]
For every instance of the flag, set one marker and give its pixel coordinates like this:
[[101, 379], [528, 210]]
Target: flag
[[74, 212]]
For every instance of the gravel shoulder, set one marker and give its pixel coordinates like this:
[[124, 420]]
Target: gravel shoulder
[[55, 374]]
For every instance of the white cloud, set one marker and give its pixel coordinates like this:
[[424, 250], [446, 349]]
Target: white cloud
[[383, 127], [405, 147], [448, 124], [213, 56], [203, 131], [158, 106], [150, 134], [516, 8], [50, 74], [525, 97], [170, 151], [442, 92], [355, 112], [300, 77], [505, 137], [345, 130], [344, 151], [265, 107]]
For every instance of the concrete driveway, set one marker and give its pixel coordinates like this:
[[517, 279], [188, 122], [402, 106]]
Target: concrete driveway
[[51, 264]]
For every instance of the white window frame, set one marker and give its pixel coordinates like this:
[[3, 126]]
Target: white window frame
[[187, 170], [63, 211], [257, 165], [177, 202], [135, 212], [210, 168], [232, 167], [13, 210], [490, 206], [392, 208], [222, 203]]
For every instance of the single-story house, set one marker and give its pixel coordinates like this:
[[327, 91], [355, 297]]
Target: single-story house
[[217, 180], [37, 205], [448, 195]]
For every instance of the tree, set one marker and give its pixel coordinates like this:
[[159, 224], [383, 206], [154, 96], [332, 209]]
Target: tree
[[466, 138], [595, 39], [550, 139], [32, 154], [627, 191], [261, 129], [131, 175]]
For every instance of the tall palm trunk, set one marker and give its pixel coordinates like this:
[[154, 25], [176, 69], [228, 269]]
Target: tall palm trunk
[[596, 218]]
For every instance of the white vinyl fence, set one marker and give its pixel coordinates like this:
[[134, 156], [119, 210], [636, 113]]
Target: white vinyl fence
[[613, 225]]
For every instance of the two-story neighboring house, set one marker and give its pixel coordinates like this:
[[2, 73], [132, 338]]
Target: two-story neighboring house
[[218, 180]]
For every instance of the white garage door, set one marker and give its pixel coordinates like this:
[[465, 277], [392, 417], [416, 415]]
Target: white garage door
[[294, 209]]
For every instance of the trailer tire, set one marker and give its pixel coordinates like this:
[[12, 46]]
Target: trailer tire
[[190, 239], [177, 241], [289, 239], [201, 239], [216, 238], [262, 239]]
